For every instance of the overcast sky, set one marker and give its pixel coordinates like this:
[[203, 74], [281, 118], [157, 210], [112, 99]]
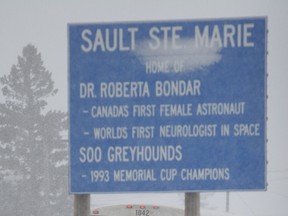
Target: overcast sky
[[44, 24]]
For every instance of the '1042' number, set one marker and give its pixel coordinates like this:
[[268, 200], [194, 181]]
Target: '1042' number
[[142, 212]]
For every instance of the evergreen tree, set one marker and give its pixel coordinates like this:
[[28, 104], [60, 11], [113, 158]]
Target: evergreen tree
[[33, 153]]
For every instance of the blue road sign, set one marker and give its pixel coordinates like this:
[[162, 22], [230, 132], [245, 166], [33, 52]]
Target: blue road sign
[[168, 106]]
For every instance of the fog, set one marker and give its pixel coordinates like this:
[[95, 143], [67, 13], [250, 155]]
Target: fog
[[44, 24]]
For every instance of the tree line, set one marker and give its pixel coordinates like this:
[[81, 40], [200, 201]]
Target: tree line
[[33, 142]]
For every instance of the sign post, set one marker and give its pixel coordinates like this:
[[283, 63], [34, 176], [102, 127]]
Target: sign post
[[192, 204], [81, 205], [168, 106]]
